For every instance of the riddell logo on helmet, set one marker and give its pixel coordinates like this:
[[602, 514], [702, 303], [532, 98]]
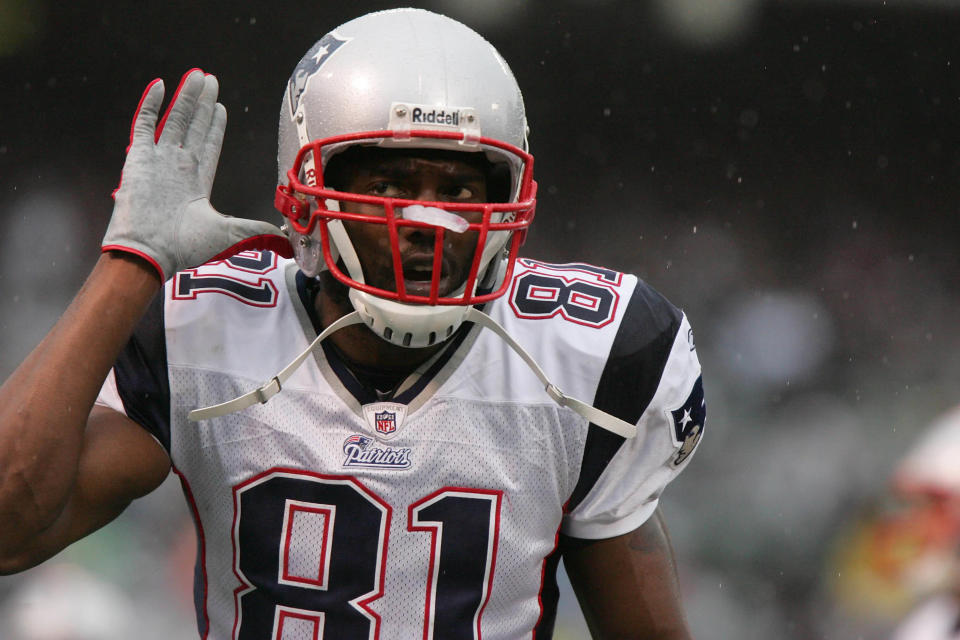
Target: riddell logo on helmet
[[451, 118]]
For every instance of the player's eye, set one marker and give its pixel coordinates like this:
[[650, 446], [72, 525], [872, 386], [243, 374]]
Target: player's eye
[[385, 189], [460, 192]]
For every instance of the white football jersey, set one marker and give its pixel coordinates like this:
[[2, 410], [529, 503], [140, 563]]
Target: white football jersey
[[936, 618], [333, 512]]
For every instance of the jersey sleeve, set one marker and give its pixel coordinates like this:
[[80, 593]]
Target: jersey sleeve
[[653, 379], [138, 384], [109, 394]]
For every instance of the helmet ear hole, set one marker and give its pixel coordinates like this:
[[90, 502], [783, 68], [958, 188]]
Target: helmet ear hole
[[337, 169], [499, 183]]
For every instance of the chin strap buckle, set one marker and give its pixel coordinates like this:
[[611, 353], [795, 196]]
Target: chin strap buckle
[[269, 390]]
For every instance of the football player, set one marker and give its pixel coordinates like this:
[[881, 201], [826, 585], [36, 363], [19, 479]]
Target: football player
[[897, 564], [417, 462]]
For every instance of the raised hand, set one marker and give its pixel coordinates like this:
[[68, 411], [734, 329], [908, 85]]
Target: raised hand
[[162, 209]]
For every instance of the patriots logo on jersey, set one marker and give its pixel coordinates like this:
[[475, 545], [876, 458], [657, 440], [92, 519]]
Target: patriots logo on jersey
[[356, 441], [688, 421], [359, 453], [310, 64]]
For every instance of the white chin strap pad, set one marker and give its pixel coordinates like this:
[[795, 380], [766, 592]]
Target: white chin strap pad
[[408, 325]]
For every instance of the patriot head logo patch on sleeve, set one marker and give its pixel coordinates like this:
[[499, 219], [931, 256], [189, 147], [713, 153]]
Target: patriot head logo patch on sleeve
[[689, 420]]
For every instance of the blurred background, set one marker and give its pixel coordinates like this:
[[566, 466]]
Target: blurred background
[[787, 171]]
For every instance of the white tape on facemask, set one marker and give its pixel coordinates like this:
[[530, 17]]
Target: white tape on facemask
[[438, 217]]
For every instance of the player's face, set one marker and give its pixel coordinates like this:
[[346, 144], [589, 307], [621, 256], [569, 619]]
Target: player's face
[[420, 175]]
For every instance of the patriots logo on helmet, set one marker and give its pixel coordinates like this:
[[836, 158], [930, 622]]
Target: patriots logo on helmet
[[688, 421], [310, 64]]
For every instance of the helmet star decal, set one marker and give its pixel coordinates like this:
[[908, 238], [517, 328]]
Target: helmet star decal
[[319, 53]]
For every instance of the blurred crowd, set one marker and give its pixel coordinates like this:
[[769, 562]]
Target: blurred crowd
[[789, 180]]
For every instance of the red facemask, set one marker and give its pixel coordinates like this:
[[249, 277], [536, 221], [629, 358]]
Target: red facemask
[[303, 202]]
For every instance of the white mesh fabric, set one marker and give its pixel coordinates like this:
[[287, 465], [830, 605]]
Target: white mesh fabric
[[306, 542], [109, 396], [483, 424], [454, 443]]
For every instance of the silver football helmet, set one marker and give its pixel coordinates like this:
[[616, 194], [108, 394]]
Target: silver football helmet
[[408, 79]]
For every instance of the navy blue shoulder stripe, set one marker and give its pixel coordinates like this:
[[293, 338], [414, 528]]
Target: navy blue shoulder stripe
[[630, 378], [141, 371]]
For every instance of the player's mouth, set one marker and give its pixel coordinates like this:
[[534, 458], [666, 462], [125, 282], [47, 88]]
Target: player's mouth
[[418, 277]]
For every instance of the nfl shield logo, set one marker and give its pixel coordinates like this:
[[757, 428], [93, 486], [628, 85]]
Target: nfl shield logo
[[385, 421]]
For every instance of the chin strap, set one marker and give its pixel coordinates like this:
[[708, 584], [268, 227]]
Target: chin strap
[[273, 387], [591, 413]]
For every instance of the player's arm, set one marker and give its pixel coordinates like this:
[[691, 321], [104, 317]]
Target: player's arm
[[62, 475], [118, 463], [627, 585]]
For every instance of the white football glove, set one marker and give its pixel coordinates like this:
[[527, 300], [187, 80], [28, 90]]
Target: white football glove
[[162, 209]]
